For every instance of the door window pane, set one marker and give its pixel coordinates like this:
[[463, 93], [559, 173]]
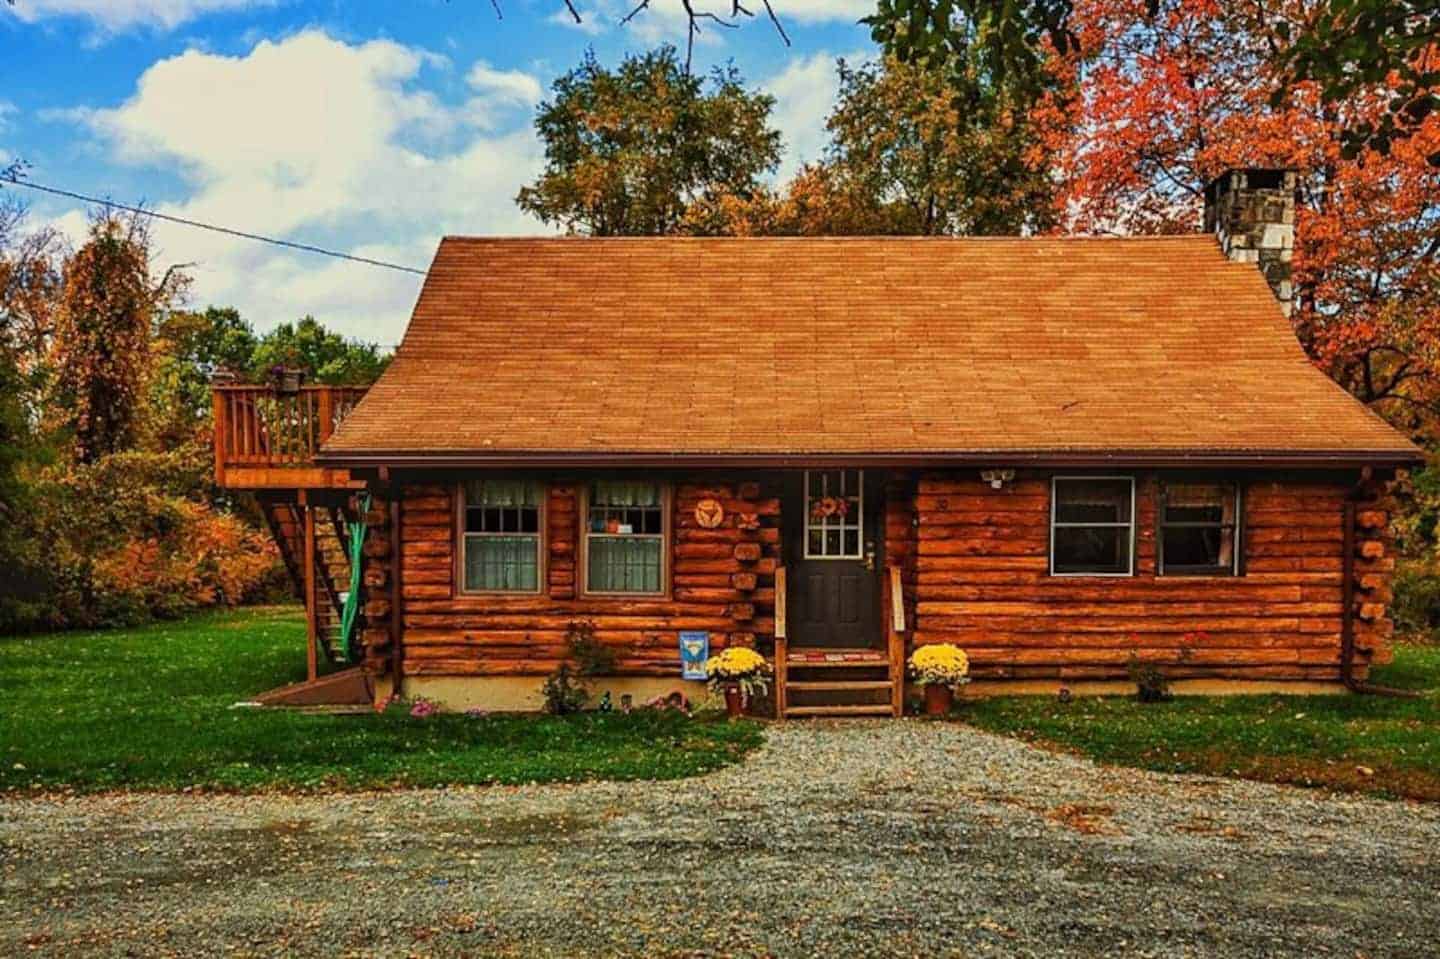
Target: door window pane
[[834, 510]]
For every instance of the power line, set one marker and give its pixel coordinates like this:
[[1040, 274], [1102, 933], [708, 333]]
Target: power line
[[182, 221]]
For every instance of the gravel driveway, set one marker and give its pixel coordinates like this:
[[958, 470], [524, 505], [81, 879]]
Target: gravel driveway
[[855, 838]]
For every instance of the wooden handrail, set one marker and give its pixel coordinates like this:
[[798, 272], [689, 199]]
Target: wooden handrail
[[782, 645], [259, 427], [895, 634]]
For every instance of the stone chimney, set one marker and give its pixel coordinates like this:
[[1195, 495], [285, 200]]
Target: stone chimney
[[1252, 213]]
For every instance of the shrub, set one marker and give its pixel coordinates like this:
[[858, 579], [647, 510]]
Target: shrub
[[1151, 683], [1416, 607], [567, 689], [128, 538]]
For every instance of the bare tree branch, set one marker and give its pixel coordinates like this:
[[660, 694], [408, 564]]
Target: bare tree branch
[[692, 18]]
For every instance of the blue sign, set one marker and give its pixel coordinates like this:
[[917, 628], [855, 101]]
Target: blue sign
[[694, 651]]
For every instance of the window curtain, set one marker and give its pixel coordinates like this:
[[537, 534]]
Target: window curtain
[[502, 492], [625, 493]]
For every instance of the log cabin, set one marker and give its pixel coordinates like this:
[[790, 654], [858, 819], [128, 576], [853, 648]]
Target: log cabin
[[1064, 455]]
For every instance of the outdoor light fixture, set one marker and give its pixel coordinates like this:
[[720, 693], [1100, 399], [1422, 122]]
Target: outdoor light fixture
[[997, 478]]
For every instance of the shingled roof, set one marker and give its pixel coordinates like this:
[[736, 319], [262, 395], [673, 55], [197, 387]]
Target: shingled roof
[[651, 351]]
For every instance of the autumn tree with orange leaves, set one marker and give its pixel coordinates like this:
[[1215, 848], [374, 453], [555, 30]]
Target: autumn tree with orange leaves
[[1164, 103]]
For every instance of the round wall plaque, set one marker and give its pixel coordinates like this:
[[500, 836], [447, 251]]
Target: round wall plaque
[[709, 513]]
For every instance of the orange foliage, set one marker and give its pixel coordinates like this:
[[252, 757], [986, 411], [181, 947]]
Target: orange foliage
[[205, 558], [1165, 104]]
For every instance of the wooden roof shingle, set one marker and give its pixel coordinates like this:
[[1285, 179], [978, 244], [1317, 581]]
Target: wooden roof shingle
[[652, 350]]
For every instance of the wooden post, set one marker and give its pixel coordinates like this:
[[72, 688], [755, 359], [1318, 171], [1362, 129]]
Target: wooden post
[[327, 415], [896, 628], [312, 664], [217, 415], [397, 609], [782, 645]]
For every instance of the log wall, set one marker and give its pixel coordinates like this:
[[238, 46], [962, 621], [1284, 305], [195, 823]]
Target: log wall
[[721, 581], [974, 564], [982, 582]]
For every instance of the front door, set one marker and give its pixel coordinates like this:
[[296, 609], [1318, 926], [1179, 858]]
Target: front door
[[833, 554]]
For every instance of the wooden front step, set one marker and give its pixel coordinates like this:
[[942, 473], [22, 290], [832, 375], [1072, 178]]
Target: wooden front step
[[880, 709], [844, 682], [840, 686]]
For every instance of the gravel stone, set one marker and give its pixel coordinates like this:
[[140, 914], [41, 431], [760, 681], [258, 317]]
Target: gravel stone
[[885, 838]]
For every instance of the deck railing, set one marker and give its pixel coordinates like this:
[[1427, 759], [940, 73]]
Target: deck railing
[[257, 427]]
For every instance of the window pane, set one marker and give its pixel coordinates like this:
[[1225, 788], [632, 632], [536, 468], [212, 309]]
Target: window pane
[[1199, 503], [1198, 546], [1102, 549], [624, 565], [1092, 501], [502, 563]]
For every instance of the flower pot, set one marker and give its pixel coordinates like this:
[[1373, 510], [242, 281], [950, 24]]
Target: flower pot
[[938, 699], [734, 702]]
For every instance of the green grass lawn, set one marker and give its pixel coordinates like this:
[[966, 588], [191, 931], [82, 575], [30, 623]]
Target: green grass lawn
[[1362, 743], [150, 708]]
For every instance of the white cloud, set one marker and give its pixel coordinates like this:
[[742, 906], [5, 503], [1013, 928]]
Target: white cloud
[[805, 93], [315, 140], [511, 86], [116, 15], [821, 11]]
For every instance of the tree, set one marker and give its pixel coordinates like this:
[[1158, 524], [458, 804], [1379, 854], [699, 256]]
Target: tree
[[1170, 101], [910, 154], [101, 347], [1354, 44], [326, 356], [944, 154], [629, 151]]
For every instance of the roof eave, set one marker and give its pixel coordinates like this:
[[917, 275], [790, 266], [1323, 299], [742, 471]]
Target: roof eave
[[518, 459]]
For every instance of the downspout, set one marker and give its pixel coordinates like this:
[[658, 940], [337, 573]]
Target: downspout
[[1347, 604]]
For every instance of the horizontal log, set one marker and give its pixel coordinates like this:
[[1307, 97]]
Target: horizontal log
[[1372, 519], [992, 639], [748, 552], [979, 546], [1075, 607], [1260, 656], [744, 582], [1139, 624], [538, 668], [1131, 590]]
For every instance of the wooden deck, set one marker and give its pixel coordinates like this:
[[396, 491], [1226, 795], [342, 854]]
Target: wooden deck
[[267, 440]]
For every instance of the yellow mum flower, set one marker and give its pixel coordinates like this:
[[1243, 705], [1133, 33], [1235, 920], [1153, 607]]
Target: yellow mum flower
[[940, 664]]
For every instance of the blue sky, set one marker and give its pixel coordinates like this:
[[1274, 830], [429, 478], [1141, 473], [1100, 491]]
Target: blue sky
[[370, 127]]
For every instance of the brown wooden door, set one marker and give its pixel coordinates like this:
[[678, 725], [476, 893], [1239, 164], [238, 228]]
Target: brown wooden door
[[833, 552]]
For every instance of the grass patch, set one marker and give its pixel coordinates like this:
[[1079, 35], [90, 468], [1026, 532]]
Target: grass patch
[[149, 708], [1369, 744]]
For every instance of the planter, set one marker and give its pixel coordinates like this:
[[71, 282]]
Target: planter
[[734, 702], [938, 699]]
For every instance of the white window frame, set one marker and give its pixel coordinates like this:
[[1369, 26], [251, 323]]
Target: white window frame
[[1236, 530], [1055, 482], [541, 573], [586, 535], [859, 520]]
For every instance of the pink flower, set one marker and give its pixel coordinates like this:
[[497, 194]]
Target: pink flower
[[422, 708]]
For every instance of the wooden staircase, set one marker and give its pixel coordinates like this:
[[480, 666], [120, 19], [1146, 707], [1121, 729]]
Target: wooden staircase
[[287, 519]]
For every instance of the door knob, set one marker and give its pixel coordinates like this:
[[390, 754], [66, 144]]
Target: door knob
[[869, 555]]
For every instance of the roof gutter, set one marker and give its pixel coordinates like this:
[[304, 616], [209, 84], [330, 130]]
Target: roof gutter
[[517, 459]]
